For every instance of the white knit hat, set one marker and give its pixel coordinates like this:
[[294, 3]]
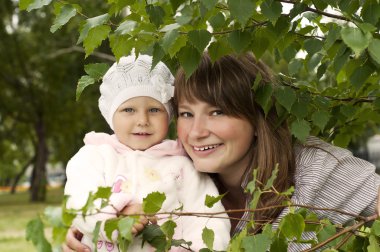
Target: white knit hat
[[132, 77]]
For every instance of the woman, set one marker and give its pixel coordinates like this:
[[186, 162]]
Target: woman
[[225, 132]]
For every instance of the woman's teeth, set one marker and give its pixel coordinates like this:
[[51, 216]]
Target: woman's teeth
[[203, 148]]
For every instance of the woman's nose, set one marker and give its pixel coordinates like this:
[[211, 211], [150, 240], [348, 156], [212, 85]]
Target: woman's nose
[[199, 128]]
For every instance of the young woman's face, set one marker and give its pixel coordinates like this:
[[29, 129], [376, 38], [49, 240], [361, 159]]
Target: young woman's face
[[141, 122], [216, 143]]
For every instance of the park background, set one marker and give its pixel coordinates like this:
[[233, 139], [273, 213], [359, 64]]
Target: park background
[[42, 124]]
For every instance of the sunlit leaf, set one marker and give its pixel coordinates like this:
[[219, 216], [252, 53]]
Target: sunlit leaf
[[355, 39], [83, 82], [292, 226], [66, 13], [152, 203], [91, 23], [208, 237], [95, 37]]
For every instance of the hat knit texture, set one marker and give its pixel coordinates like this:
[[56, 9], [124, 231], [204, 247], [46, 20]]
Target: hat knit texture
[[132, 77]]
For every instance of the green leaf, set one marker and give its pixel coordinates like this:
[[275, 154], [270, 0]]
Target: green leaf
[[66, 13], [125, 227], [279, 244], [236, 241], [155, 237], [199, 39], [360, 75], [326, 232], [176, 3], [35, 233], [373, 244], [95, 37], [256, 243], [332, 36], [211, 200], [103, 193], [91, 23], [208, 237], [158, 54], [300, 129], [294, 66], [168, 228], [23, 4], [218, 49], [241, 10], [271, 9], [356, 39], [374, 50], [96, 232], [264, 97], [313, 46], [375, 228], [342, 140], [96, 70], [121, 45], [169, 39], [33, 4], [286, 97], [152, 203], [156, 14], [292, 226], [261, 41], [239, 40], [272, 178], [189, 58], [110, 226], [320, 118], [300, 109], [209, 4], [217, 21], [83, 82], [126, 27]]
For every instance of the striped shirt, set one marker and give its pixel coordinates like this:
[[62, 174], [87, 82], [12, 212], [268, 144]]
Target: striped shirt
[[329, 177]]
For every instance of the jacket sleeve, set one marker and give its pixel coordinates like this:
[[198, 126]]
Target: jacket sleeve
[[85, 172], [193, 188], [330, 177]]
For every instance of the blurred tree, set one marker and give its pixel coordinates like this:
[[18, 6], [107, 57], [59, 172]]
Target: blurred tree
[[40, 120]]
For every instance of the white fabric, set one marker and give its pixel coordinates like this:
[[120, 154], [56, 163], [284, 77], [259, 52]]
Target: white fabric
[[143, 173]]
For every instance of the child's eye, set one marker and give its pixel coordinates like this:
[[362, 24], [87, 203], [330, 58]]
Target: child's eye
[[185, 114], [217, 112], [154, 110], [129, 110]]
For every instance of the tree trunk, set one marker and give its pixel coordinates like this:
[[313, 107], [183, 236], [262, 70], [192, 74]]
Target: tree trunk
[[20, 174], [39, 179]]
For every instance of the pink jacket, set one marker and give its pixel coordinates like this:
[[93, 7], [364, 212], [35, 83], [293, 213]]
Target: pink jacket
[[133, 174]]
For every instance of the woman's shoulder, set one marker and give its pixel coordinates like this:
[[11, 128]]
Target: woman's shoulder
[[315, 149]]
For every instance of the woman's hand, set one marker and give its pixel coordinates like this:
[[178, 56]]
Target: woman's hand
[[73, 238], [136, 209]]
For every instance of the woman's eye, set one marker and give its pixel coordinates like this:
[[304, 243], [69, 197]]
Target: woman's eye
[[154, 110], [129, 110], [185, 114], [217, 112]]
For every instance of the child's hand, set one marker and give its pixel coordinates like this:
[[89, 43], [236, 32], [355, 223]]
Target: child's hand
[[136, 209]]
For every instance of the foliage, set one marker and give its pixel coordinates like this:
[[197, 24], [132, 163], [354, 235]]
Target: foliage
[[331, 49], [328, 87]]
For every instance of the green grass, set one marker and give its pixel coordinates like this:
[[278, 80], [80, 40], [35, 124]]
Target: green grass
[[16, 211]]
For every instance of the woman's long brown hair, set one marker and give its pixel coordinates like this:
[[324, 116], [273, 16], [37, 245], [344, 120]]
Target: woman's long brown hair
[[227, 84]]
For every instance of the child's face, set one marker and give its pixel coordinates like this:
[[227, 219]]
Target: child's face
[[141, 122]]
